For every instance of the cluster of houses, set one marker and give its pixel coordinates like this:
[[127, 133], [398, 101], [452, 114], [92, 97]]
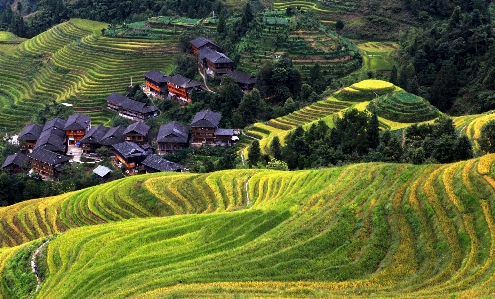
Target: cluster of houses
[[210, 60], [44, 148]]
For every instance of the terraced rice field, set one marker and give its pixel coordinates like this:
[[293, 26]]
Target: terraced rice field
[[72, 61], [375, 230], [403, 107], [327, 11], [471, 125], [281, 126]]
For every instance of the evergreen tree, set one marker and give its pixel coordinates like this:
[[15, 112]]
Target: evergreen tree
[[276, 148], [487, 137], [463, 149], [373, 132], [393, 75], [254, 153], [221, 24]]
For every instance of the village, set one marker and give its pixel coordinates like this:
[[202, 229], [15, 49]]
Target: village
[[46, 148]]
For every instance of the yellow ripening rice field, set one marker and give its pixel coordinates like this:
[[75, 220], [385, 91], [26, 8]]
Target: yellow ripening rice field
[[372, 230]]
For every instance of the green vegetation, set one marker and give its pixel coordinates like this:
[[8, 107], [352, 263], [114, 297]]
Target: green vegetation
[[72, 62], [403, 107], [386, 230]]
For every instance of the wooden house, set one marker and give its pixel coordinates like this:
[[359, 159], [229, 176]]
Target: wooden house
[[224, 136], [157, 83], [16, 163], [56, 126], [91, 140], [52, 139], [113, 136], [171, 137], [129, 108], [204, 125], [76, 127], [47, 163], [154, 163], [29, 136], [137, 133], [245, 81], [129, 154], [201, 43], [215, 63], [181, 88]]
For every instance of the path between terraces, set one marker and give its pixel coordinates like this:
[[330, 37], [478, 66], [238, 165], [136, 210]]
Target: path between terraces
[[34, 267]]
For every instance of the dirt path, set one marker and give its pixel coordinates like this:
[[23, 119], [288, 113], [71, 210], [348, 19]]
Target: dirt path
[[248, 200], [34, 267], [204, 79]]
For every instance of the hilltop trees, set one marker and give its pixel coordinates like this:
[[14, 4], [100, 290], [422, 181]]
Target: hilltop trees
[[487, 137]]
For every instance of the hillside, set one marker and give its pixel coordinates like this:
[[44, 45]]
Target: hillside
[[380, 230], [72, 62]]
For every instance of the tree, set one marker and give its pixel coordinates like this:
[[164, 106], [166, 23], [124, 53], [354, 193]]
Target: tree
[[393, 75], [276, 148], [254, 153], [339, 25], [221, 24], [487, 137], [186, 65], [250, 108], [373, 132], [463, 149]]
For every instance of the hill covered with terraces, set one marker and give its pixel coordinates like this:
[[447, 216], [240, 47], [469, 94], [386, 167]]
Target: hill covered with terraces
[[377, 230]]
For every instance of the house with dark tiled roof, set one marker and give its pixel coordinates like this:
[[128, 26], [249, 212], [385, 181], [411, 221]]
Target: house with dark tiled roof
[[224, 136], [16, 163], [129, 154], [91, 140], [214, 62], [245, 81], [137, 133], [154, 163], [129, 108], [47, 163], [113, 136], [171, 137], [181, 88], [52, 139], [56, 126], [203, 126], [157, 83], [76, 127], [29, 136], [202, 43]]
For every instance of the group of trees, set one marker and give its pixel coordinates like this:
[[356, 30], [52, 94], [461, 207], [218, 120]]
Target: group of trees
[[356, 138], [451, 63]]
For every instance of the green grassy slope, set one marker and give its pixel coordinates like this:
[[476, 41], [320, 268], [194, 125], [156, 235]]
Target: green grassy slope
[[73, 62], [379, 230]]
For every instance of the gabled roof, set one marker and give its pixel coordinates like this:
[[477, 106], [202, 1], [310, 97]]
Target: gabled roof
[[213, 56], [173, 132], [129, 149], [17, 159], [113, 136], [48, 157], [50, 140], [138, 127], [224, 132], [207, 119], [201, 41], [129, 104], [158, 163], [55, 123], [77, 122], [94, 135], [102, 170], [183, 82], [30, 133], [242, 78], [156, 76]]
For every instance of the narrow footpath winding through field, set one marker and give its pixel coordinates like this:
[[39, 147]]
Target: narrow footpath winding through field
[[204, 80], [34, 267]]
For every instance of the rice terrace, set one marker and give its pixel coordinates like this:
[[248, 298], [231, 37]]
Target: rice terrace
[[302, 149]]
